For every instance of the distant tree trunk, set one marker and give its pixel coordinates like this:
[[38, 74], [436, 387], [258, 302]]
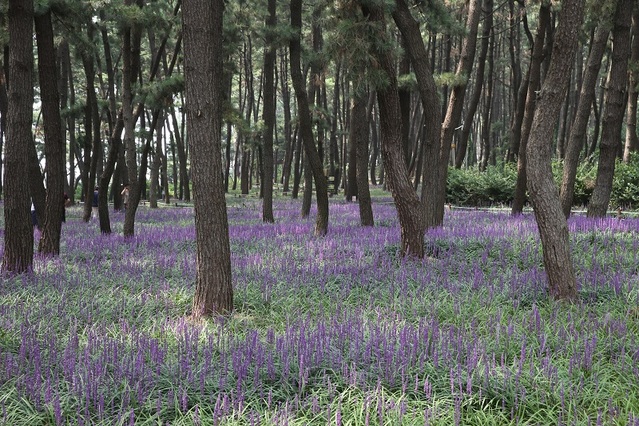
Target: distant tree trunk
[[357, 122], [359, 137], [553, 228], [462, 144], [632, 141], [375, 147], [304, 116], [18, 231], [409, 208], [154, 189], [53, 143], [289, 147], [487, 111], [613, 108], [185, 193], [455, 107], [578, 130], [4, 108], [269, 116], [533, 84], [203, 58], [518, 88]]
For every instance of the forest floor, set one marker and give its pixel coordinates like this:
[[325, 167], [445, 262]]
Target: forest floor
[[336, 330]]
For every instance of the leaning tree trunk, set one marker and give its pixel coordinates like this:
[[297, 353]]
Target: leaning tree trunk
[[409, 208], [553, 228], [305, 125], [580, 124], [202, 26], [409, 28], [533, 84], [613, 109], [18, 232], [462, 143], [454, 109], [53, 143]]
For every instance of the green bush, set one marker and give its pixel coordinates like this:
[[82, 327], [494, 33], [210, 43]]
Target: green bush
[[496, 185]]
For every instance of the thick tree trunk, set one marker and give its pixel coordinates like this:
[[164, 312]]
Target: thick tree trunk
[[409, 208], [580, 125], [409, 28], [53, 142], [304, 116], [553, 228], [202, 25], [613, 109], [129, 73], [534, 82], [18, 231]]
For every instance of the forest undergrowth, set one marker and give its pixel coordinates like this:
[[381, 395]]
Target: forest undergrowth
[[336, 330]]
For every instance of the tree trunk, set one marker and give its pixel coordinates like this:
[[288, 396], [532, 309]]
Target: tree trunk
[[409, 208], [632, 141], [462, 144], [129, 73], [455, 107], [53, 142], [431, 109], [534, 82], [359, 137], [305, 126], [613, 109], [202, 26], [580, 125], [18, 231], [269, 116], [551, 222]]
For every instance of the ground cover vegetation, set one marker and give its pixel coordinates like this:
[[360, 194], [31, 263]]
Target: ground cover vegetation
[[333, 330]]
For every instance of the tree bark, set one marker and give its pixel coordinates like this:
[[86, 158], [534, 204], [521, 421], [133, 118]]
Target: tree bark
[[632, 141], [553, 228], [203, 53], [53, 142], [18, 234], [455, 107], [269, 116], [305, 126], [409, 208], [580, 125], [534, 82], [359, 138], [613, 109], [462, 143], [409, 28]]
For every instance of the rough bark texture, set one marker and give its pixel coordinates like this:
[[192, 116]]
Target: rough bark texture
[[613, 109], [553, 228], [534, 82], [129, 72], [305, 125], [53, 142], [359, 137], [580, 124], [202, 26], [18, 234], [428, 93], [409, 208]]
